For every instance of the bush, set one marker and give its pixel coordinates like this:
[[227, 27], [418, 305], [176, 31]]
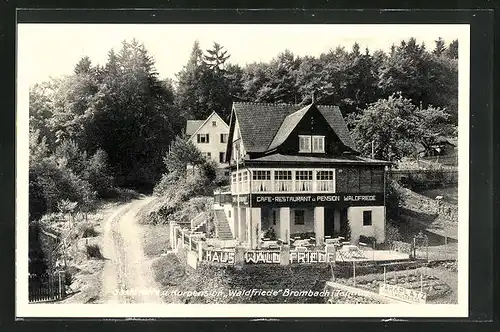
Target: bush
[[393, 200], [392, 233], [94, 251], [88, 230], [58, 183], [168, 180]]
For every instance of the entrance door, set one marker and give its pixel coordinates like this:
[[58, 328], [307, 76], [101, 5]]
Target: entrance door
[[328, 223]]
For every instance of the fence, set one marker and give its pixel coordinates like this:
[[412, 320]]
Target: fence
[[46, 287], [441, 249]]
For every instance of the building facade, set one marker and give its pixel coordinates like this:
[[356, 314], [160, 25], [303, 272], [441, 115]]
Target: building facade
[[210, 136], [295, 172]]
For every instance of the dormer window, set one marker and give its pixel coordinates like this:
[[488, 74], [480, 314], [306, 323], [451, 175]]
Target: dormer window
[[318, 144], [314, 144], [304, 143]]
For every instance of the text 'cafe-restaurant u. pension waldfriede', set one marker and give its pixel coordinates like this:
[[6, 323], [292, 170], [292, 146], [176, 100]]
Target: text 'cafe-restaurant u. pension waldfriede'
[[296, 172]]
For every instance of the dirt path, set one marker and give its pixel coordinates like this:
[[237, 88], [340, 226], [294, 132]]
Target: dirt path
[[127, 276]]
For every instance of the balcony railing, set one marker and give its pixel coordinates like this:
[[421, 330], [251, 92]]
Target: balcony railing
[[325, 185], [303, 185], [283, 185], [261, 186]]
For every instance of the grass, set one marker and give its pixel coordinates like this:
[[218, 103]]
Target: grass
[[155, 239]]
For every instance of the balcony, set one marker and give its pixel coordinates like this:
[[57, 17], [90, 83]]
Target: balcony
[[325, 185], [285, 186], [259, 186]]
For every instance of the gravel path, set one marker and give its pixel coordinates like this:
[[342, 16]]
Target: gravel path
[[127, 275]]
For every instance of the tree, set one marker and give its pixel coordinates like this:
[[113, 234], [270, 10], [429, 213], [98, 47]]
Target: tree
[[439, 48], [84, 66], [216, 57], [133, 117], [192, 94], [452, 51], [407, 71], [395, 126], [182, 153]]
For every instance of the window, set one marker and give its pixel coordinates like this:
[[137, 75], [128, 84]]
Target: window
[[229, 213], [274, 217], [318, 144], [261, 175], [367, 218], [303, 175], [325, 181], [303, 180], [304, 143], [203, 138], [234, 177], [282, 175], [226, 173], [223, 138], [214, 123], [324, 175], [283, 180], [299, 217], [222, 157], [207, 155]]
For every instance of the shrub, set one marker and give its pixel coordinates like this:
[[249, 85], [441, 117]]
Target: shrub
[[88, 230], [167, 181], [93, 251], [393, 200], [392, 233], [59, 183]]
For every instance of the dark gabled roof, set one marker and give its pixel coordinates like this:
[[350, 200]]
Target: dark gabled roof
[[296, 160], [260, 123], [192, 126], [288, 125]]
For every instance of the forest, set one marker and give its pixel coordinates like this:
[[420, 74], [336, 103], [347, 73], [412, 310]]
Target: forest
[[107, 127]]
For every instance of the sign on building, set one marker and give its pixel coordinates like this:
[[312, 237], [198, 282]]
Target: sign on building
[[403, 294], [258, 200]]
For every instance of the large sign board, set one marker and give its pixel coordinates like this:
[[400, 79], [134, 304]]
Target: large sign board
[[268, 257], [403, 294], [326, 199]]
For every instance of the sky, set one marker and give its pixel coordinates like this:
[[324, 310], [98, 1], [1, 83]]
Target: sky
[[52, 50]]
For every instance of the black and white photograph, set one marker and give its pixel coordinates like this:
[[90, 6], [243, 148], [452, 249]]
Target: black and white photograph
[[242, 170]]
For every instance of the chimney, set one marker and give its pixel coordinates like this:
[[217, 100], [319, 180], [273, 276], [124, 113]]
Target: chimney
[[313, 99]]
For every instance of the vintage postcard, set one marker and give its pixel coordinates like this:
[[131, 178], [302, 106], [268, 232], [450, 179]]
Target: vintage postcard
[[233, 170]]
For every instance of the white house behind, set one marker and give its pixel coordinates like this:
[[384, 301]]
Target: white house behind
[[210, 137]]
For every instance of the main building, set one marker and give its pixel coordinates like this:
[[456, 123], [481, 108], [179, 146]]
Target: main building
[[295, 170]]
